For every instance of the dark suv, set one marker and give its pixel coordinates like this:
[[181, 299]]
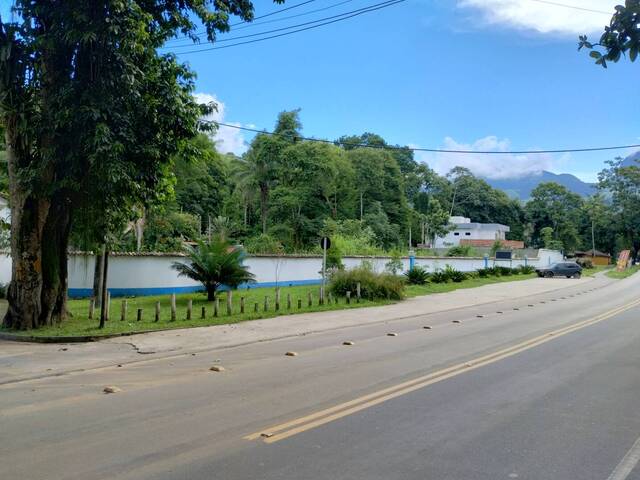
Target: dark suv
[[566, 269]]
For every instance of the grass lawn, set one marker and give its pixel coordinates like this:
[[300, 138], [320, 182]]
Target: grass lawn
[[596, 269], [623, 274], [80, 325], [429, 288]]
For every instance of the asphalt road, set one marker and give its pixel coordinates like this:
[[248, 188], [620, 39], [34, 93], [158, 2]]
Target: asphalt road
[[546, 387]]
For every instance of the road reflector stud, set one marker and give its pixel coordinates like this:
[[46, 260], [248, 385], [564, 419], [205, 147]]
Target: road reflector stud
[[111, 389], [499, 311], [217, 368], [392, 334], [516, 308], [266, 435], [530, 305], [456, 321], [348, 343], [291, 354], [479, 316], [427, 327]]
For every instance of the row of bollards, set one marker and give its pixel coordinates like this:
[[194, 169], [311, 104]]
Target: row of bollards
[[322, 299]]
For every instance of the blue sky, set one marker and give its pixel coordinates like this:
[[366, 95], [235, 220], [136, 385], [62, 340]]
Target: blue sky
[[496, 74], [478, 74]]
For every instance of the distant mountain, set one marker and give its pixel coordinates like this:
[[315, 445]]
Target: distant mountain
[[632, 160], [521, 187]]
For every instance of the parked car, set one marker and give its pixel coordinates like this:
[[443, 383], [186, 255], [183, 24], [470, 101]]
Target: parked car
[[561, 269]]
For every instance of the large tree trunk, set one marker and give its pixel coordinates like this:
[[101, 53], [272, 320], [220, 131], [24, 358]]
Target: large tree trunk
[[39, 239]]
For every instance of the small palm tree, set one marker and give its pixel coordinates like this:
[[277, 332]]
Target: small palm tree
[[214, 264]]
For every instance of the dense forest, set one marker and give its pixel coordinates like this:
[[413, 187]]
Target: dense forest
[[285, 192]]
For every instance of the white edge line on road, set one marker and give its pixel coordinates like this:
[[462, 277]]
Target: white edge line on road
[[627, 464]]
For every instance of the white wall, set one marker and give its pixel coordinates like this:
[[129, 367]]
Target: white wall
[[152, 274]]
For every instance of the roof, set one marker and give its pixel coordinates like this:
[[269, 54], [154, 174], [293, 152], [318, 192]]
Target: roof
[[482, 226], [591, 253]]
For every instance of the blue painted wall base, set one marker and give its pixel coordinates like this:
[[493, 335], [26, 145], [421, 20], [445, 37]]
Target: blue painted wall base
[[145, 292]]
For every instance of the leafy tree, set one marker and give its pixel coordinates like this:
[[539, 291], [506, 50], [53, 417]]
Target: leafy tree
[[167, 229], [257, 170], [552, 205], [93, 114], [620, 37], [214, 264], [201, 178], [548, 239], [623, 183]]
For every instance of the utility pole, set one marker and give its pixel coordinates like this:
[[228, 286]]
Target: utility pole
[[593, 239]]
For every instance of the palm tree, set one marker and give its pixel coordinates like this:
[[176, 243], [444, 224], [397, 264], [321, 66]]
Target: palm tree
[[215, 263]]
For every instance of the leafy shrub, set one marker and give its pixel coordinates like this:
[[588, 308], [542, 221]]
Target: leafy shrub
[[526, 269], [417, 276], [505, 271], [460, 251], [372, 285], [454, 275], [439, 277], [3, 290], [586, 263], [484, 272], [263, 243]]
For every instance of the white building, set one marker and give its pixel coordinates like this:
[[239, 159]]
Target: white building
[[464, 229]]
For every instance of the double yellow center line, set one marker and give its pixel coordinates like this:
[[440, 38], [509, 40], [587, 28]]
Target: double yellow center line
[[302, 424]]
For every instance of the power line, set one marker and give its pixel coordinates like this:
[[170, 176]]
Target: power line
[[256, 18], [363, 10], [372, 8], [434, 150], [573, 7], [251, 25]]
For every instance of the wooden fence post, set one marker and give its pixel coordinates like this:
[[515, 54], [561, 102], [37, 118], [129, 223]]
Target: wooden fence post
[[189, 308], [92, 308], [348, 297], [241, 304], [310, 299], [229, 302], [157, 319], [108, 306], [255, 307], [266, 304], [139, 317], [123, 311], [329, 298], [299, 303], [216, 307], [203, 313], [288, 301], [173, 307], [277, 299], [358, 296]]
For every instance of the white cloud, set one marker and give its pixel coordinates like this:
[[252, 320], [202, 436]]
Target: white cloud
[[227, 139], [504, 165], [546, 16]]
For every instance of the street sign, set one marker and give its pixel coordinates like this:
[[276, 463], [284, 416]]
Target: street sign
[[503, 255], [325, 243], [623, 260]]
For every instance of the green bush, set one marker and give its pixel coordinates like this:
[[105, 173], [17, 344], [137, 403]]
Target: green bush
[[484, 272], [417, 276], [263, 243], [461, 251], [454, 275], [504, 271], [526, 269], [586, 263], [439, 277], [372, 285], [3, 290]]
